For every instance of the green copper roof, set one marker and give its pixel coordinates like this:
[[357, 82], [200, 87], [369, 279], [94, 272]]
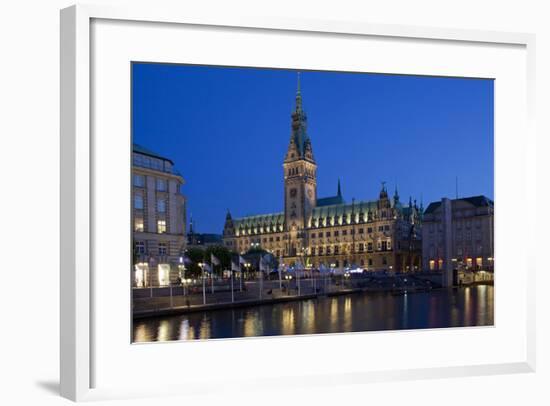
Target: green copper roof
[[329, 201], [261, 220], [343, 209]]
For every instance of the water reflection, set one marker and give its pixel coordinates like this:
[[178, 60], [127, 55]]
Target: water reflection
[[470, 306]]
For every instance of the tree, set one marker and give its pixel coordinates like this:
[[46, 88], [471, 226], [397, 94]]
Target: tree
[[196, 255], [222, 253]]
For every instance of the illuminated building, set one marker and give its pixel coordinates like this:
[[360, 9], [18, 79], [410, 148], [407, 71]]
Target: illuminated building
[[458, 238], [377, 234], [158, 219]]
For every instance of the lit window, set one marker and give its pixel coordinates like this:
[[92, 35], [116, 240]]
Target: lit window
[[138, 202], [161, 226], [440, 264], [141, 275], [164, 274], [469, 262], [138, 225], [432, 264], [161, 206], [161, 185], [139, 180], [479, 262]]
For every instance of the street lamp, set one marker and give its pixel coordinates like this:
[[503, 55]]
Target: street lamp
[[288, 279], [201, 266]]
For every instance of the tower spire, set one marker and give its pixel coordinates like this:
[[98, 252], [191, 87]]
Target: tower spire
[[339, 194], [396, 195], [298, 94]]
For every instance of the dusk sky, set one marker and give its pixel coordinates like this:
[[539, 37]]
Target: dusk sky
[[227, 131]]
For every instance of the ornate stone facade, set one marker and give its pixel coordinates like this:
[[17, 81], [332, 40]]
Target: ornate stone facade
[[379, 234]]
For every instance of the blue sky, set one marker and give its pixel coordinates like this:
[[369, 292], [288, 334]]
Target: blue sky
[[227, 131]]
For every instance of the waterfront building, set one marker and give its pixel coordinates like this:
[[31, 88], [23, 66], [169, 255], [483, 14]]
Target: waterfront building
[[458, 239], [378, 234], [158, 219]]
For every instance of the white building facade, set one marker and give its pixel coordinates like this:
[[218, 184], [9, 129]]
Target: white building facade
[[158, 219]]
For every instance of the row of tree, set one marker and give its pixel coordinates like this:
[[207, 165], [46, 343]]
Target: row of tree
[[225, 256]]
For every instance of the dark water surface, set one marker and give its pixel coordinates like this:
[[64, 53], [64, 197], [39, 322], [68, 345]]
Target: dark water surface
[[470, 306]]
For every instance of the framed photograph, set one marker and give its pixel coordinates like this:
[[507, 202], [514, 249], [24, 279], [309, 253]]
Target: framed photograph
[[290, 200]]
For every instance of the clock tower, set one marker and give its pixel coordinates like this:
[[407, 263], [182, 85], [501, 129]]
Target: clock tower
[[300, 175]]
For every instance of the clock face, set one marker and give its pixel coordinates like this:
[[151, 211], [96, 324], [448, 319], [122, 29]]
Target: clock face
[[293, 192]]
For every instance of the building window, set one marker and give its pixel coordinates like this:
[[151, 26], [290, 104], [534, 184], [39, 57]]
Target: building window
[[370, 261], [361, 231], [432, 265], [164, 274], [384, 261], [379, 245], [387, 227], [361, 247], [313, 235], [328, 250], [141, 275], [440, 264], [369, 246], [384, 246], [161, 206], [388, 245], [138, 180], [369, 230], [362, 262], [313, 251], [161, 226], [139, 247], [138, 225], [344, 232], [479, 262], [161, 185], [337, 233], [320, 250], [336, 249], [327, 233], [138, 202], [380, 228], [277, 238], [163, 249]]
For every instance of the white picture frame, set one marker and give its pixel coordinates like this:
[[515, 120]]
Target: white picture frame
[[77, 282]]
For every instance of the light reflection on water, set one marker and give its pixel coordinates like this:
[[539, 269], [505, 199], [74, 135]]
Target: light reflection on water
[[470, 306]]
